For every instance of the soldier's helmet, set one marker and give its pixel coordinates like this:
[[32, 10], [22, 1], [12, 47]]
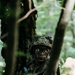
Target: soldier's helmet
[[41, 41]]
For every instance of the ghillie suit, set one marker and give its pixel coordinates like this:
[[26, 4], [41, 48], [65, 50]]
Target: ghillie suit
[[40, 50]]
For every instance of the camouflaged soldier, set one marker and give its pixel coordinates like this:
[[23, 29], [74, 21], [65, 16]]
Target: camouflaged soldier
[[40, 50]]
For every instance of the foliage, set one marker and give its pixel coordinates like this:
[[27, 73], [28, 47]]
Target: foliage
[[47, 18]]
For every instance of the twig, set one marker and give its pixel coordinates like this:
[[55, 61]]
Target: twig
[[30, 4], [32, 10]]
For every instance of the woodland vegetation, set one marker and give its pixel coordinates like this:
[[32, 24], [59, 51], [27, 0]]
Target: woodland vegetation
[[54, 18]]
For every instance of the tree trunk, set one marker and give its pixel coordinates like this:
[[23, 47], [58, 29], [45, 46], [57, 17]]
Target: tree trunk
[[73, 27], [12, 41], [59, 35], [73, 34], [18, 37]]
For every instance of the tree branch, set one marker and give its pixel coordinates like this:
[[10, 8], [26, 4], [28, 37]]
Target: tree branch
[[32, 10], [58, 38]]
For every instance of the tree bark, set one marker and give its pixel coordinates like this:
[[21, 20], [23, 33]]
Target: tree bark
[[12, 40], [58, 38], [18, 37]]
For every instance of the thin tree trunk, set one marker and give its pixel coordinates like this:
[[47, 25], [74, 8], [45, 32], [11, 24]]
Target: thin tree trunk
[[12, 43], [59, 35], [73, 27], [73, 34]]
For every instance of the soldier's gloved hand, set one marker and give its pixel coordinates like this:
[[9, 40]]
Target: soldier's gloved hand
[[25, 70]]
